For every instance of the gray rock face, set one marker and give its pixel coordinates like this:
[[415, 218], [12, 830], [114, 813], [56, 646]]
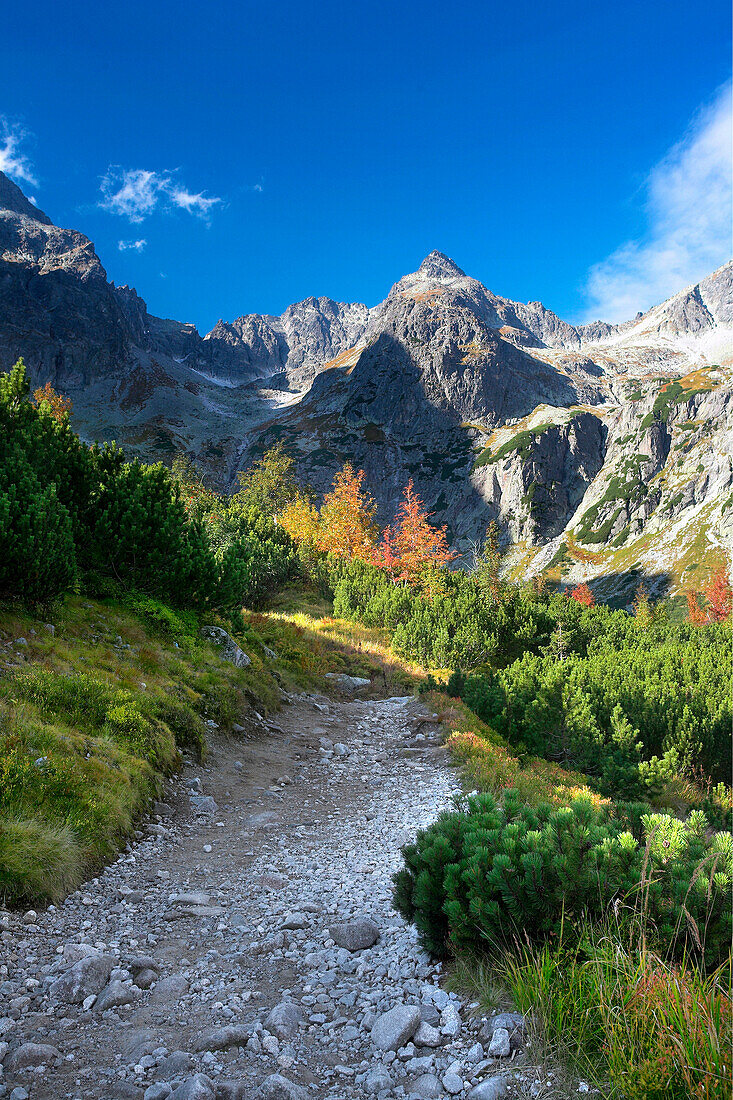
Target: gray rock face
[[355, 935], [85, 978], [393, 1029], [441, 352]]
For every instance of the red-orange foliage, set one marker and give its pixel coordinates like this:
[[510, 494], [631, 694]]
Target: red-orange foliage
[[717, 607], [719, 597], [346, 525], [583, 594], [58, 405], [412, 543]]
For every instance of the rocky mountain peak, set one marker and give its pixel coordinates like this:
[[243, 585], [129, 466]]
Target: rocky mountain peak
[[439, 266], [13, 199]]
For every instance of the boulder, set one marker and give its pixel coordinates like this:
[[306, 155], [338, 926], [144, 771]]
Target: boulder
[[284, 1020], [85, 978], [500, 1047], [228, 648], [221, 1038], [491, 1089], [426, 1087], [355, 935], [346, 683], [198, 1087], [427, 1036], [376, 1081], [394, 1028], [30, 1054], [277, 1087], [115, 995]]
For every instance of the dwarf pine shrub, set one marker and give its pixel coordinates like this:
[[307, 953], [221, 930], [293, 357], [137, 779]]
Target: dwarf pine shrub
[[486, 872]]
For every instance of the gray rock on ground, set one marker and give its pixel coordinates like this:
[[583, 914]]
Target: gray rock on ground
[[355, 935], [284, 1020], [427, 1036], [83, 979], [115, 995], [221, 1038], [30, 1054], [426, 1087], [500, 1047], [198, 1087], [277, 1087], [394, 1028], [492, 1089], [229, 649]]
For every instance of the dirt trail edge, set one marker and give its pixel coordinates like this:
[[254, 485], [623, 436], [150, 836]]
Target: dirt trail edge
[[246, 945]]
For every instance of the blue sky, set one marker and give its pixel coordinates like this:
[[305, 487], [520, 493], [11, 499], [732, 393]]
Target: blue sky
[[575, 153]]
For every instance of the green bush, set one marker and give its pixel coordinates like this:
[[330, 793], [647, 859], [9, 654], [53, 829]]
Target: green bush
[[187, 726], [163, 619], [143, 737], [65, 507], [486, 872], [37, 551]]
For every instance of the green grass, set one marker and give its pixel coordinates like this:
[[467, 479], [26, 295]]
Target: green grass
[[92, 718]]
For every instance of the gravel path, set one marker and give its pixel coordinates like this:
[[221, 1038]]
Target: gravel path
[[207, 962]]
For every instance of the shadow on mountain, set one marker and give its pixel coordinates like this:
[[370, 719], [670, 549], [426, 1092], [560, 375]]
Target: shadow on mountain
[[619, 589]]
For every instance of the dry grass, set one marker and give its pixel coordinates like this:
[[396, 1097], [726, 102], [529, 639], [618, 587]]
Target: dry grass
[[310, 642]]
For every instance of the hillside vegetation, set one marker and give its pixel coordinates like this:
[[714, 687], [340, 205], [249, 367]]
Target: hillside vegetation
[[587, 870]]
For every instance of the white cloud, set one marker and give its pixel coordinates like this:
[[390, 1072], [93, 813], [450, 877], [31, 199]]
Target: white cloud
[[13, 162], [131, 193], [688, 207], [134, 193], [194, 204], [135, 246]]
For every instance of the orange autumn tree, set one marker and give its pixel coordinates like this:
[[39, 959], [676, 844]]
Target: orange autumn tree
[[412, 545], [717, 607], [55, 403], [583, 595], [346, 520], [301, 520]]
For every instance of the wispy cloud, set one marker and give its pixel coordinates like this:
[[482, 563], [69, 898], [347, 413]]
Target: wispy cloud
[[132, 246], [13, 162], [688, 207], [135, 193]]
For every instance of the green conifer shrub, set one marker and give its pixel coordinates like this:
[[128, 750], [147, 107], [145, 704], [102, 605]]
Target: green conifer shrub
[[486, 872]]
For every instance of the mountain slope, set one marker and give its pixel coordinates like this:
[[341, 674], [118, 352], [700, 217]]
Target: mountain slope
[[596, 447]]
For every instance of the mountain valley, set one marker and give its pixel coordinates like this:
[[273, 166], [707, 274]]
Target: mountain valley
[[602, 451]]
